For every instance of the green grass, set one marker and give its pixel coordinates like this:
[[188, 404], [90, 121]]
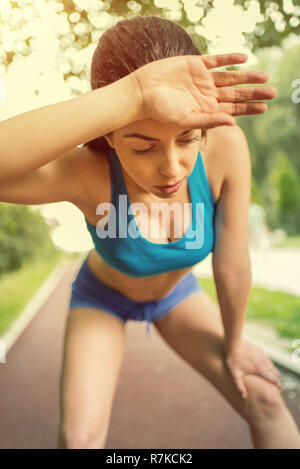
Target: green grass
[[290, 242], [273, 308], [18, 287]]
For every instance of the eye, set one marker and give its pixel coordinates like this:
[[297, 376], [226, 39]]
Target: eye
[[141, 152]]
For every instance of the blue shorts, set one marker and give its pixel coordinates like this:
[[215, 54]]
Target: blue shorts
[[89, 292]]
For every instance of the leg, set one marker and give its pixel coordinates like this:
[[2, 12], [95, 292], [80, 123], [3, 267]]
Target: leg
[[93, 352], [194, 329]]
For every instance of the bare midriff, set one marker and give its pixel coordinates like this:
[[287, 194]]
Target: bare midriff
[[150, 288]]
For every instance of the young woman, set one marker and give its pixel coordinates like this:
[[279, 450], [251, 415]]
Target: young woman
[[157, 115]]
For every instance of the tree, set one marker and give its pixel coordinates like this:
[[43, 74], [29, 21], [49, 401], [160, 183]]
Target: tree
[[24, 234], [277, 133], [279, 19], [287, 183], [81, 20]]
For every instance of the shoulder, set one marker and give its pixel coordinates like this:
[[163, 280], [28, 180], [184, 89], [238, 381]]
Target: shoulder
[[224, 140], [91, 172], [88, 160]]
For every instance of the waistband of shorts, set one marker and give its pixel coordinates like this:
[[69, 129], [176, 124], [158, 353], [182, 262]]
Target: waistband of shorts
[[106, 289]]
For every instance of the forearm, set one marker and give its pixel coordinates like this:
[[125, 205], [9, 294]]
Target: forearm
[[34, 138], [233, 290]]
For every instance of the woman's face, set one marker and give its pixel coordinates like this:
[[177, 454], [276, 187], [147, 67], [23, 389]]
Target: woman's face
[[168, 154]]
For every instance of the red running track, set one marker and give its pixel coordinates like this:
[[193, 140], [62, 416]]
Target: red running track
[[160, 401]]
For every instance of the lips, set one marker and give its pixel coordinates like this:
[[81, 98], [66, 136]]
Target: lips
[[171, 185], [170, 189]]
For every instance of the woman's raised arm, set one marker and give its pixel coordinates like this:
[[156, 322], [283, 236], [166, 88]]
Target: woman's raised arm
[[178, 90], [34, 138]]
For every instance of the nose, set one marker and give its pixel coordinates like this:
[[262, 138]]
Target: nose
[[170, 167]]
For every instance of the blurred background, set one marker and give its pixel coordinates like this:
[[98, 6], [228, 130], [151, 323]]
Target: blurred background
[[46, 47]]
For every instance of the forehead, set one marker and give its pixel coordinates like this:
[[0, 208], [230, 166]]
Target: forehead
[[151, 128]]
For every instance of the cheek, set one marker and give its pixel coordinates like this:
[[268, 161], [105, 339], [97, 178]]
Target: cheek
[[145, 174]]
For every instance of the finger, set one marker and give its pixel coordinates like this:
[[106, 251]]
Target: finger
[[221, 60], [239, 77], [271, 376], [271, 366], [241, 385], [268, 365], [239, 109], [275, 372], [208, 121], [241, 94], [279, 384], [275, 381]]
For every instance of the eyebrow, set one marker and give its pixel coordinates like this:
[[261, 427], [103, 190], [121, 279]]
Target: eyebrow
[[146, 137]]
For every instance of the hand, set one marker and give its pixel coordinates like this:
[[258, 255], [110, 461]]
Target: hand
[[247, 358], [182, 91]]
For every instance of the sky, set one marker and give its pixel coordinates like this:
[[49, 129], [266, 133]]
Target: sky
[[39, 71]]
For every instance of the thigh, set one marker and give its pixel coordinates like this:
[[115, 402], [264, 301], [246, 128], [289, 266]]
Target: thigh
[[92, 357], [194, 329]]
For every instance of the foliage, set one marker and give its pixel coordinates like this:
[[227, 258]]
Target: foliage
[[24, 234], [285, 181], [82, 21], [279, 19], [290, 242], [274, 142]]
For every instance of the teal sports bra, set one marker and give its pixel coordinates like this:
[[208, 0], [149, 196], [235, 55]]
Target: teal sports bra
[[123, 246]]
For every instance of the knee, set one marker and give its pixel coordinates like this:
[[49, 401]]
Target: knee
[[83, 438], [264, 398]]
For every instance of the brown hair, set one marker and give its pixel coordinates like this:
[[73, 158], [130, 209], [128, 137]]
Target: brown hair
[[130, 44]]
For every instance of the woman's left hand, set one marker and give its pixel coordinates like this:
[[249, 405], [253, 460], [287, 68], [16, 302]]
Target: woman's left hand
[[247, 358]]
